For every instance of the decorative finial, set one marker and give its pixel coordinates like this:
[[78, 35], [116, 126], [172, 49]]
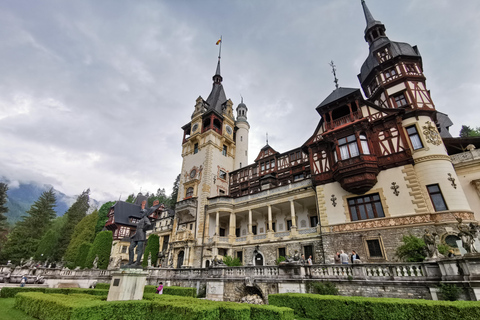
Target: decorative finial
[[267, 138], [334, 71], [241, 98], [219, 42]]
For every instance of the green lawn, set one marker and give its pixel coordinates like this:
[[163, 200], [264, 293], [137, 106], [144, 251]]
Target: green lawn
[[10, 313]]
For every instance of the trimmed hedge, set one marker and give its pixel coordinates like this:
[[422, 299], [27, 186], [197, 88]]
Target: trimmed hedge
[[102, 286], [174, 291], [359, 308], [89, 307], [10, 292]]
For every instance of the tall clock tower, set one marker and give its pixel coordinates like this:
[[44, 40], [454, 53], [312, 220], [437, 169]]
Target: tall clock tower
[[209, 151]]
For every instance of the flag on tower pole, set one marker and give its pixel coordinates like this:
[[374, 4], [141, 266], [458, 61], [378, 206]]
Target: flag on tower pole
[[219, 41]]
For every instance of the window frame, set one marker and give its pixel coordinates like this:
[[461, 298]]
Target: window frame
[[400, 98], [360, 202], [195, 148], [438, 195], [225, 150], [415, 134]]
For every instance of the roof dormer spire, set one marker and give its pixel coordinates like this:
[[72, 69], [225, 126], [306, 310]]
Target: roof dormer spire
[[374, 29]]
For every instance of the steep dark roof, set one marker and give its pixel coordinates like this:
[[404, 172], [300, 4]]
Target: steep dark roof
[[217, 96], [123, 211], [444, 123], [396, 49], [337, 94]]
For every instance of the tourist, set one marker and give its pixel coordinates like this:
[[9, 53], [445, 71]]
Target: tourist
[[302, 259], [310, 262], [354, 256], [343, 257], [23, 281], [160, 288], [336, 258]]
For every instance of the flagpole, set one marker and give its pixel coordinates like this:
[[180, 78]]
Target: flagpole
[[220, 49]]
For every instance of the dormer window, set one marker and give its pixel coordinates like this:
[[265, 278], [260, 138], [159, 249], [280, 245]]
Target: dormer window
[[390, 73]]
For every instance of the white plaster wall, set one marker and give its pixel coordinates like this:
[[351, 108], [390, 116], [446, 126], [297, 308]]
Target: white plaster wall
[[241, 154], [473, 199], [435, 172]]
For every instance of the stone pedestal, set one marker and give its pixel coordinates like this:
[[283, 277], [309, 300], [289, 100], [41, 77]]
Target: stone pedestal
[[127, 284]]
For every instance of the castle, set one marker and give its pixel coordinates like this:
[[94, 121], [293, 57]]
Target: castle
[[374, 169]]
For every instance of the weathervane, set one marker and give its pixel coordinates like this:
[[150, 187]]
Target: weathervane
[[267, 137], [334, 70]]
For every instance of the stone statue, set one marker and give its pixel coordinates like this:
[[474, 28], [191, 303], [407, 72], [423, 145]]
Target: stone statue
[[138, 239], [467, 235], [432, 250], [95, 262], [149, 260]]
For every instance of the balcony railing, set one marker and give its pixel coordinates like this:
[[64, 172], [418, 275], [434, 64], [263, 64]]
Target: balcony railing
[[356, 115]]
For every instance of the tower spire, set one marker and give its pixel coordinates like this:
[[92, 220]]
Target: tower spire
[[374, 29], [219, 43]]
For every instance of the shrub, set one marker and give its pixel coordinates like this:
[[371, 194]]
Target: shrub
[[443, 249], [10, 292], [232, 262], [261, 312], [101, 247], [359, 308], [449, 292], [82, 254], [174, 291], [152, 247], [412, 249], [324, 288], [280, 259], [104, 286]]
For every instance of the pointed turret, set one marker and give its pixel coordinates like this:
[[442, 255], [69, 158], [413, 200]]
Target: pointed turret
[[217, 96], [374, 29]]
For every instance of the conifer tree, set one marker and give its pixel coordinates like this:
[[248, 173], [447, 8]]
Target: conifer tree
[[102, 215], [152, 248], [74, 215], [3, 211], [101, 247], [48, 243], [23, 241], [174, 195], [84, 232], [82, 254]]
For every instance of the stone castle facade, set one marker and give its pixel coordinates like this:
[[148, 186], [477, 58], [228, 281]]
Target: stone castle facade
[[374, 169]]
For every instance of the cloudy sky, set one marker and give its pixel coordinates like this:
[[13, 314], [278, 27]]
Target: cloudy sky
[[93, 94]]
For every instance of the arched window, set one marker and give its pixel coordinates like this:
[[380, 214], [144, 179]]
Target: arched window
[[364, 143], [189, 192]]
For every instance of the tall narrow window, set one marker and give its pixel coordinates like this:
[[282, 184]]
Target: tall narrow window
[[364, 143], [366, 207], [414, 137], [189, 192], [374, 248], [390, 73], [313, 221], [224, 151], [254, 229], [437, 197], [289, 224], [195, 148]]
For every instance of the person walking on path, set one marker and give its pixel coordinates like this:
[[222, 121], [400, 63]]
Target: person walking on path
[[160, 288], [343, 257]]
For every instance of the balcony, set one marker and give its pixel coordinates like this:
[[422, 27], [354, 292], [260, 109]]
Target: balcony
[[357, 175], [356, 115]]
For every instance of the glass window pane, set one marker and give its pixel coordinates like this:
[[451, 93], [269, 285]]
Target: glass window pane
[[365, 147], [416, 142], [354, 213], [370, 211], [342, 141], [363, 214], [379, 209], [438, 202], [353, 149], [433, 188], [344, 152]]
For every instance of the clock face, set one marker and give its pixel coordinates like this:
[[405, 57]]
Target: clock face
[[229, 129], [195, 127], [193, 173]]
